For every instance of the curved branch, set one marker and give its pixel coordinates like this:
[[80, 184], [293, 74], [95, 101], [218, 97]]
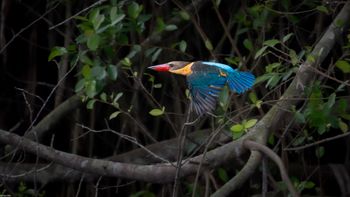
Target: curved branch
[[242, 176], [253, 146]]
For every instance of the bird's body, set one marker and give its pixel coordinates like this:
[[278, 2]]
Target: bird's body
[[206, 80]]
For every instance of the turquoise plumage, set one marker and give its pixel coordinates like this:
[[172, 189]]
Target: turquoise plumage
[[206, 80]]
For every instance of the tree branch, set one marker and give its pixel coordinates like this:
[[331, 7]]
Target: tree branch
[[253, 146]]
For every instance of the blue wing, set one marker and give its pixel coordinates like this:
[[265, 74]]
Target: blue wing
[[205, 88]]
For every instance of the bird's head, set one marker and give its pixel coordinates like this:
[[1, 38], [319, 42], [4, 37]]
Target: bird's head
[[177, 67]]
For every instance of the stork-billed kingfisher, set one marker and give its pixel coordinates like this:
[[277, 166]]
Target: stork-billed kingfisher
[[206, 80]]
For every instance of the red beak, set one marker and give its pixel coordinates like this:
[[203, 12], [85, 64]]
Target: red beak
[[160, 67]]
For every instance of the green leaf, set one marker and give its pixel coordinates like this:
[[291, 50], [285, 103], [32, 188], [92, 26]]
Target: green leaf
[[156, 112], [170, 27], [287, 37], [250, 123], [223, 175], [97, 21], [103, 96], [343, 65], [320, 151], [126, 62], [160, 25], [184, 15], [117, 97], [114, 16], [208, 45], [309, 185], [86, 60], [86, 71], [134, 10], [114, 115], [57, 51], [158, 85], [112, 72], [260, 52], [310, 58], [248, 44], [90, 104], [271, 43], [93, 42], [343, 126], [322, 8], [271, 67], [156, 54], [80, 85], [98, 72], [252, 97], [90, 89], [182, 46], [293, 57], [237, 128], [117, 19], [237, 135]]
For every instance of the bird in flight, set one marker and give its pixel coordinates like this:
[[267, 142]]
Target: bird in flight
[[206, 80]]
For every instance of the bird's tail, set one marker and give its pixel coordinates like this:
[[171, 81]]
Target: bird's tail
[[240, 81]]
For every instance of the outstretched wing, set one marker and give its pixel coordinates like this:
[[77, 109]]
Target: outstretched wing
[[205, 84]]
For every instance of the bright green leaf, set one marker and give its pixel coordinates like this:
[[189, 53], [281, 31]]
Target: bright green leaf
[[156, 54], [90, 89], [86, 71], [223, 175], [343, 126], [90, 104], [208, 45], [112, 72], [320, 151], [170, 27], [248, 44], [271, 43], [97, 21], [184, 15], [260, 52], [126, 62], [114, 115], [156, 112], [93, 42], [103, 96], [250, 123], [134, 10], [310, 58], [237, 128], [80, 85], [287, 37], [158, 85], [309, 185], [293, 57], [182, 46], [252, 97], [343, 65], [322, 8], [237, 135], [57, 51], [98, 72], [117, 19]]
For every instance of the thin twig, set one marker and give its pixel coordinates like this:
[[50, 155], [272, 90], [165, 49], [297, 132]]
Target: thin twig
[[317, 143], [26, 27], [182, 140], [78, 13]]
